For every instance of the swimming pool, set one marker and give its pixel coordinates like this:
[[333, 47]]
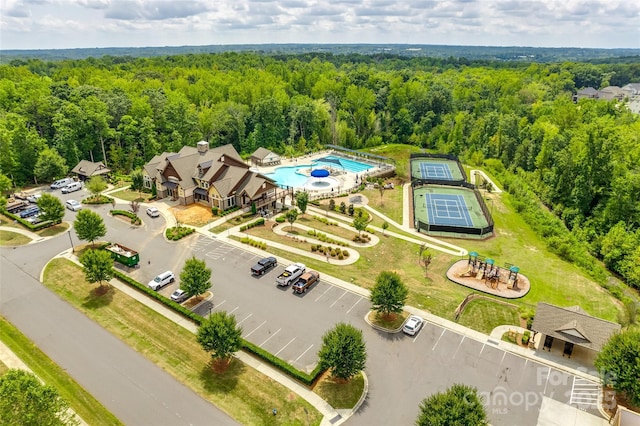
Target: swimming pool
[[347, 164], [289, 176]]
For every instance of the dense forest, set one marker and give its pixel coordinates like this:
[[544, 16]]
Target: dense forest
[[581, 160]]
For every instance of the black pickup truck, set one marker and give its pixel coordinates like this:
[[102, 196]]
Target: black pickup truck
[[264, 265]]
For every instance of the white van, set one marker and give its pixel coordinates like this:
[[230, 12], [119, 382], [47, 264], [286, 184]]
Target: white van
[[72, 187], [61, 183], [161, 280]]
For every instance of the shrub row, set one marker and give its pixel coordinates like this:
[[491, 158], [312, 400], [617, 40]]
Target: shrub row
[[325, 238], [282, 365], [325, 220], [362, 238], [280, 219], [258, 222], [135, 220], [98, 199], [333, 252], [253, 243], [31, 226], [216, 211], [176, 232]]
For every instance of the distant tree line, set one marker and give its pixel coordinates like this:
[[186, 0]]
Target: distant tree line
[[580, 159]]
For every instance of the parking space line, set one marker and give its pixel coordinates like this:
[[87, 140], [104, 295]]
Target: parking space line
[[234, 309], [255, 329], [354, 305], [458, 348], [544, 392], [325, 292], [277, 353], [246, 318], [504, 354], [268, 338], [336, 301], [221, 303], [480, 354], [437, 341], [302, 354]]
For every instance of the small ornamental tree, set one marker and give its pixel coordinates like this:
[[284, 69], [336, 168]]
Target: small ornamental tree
[[292, 216], [97, 266], [137, 180], [332, 205], [458, 405], [343, 351], [195, 277], [385, 226], [425, 259], [220, 335], [26, 401], [51, 207], [619, 364], [360, 223], [89, 226], [302, 200], [389, 294], [96, 185]]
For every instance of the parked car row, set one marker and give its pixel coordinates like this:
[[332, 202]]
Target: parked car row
[[67, 185], [295, 275]]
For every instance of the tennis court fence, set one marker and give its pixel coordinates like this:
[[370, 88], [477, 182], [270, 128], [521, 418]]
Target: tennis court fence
[[481, 231], [435, 181]]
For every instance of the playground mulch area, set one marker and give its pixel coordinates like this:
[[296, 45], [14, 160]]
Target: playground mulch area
[[497, 289]]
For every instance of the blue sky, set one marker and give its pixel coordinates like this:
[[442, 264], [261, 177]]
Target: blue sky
[[56, 24]]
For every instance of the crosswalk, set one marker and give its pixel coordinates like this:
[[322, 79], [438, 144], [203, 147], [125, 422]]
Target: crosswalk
[[584, 393]]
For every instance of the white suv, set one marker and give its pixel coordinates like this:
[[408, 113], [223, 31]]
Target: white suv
[[161, 280]]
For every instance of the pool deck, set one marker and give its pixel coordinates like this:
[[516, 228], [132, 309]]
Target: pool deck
[[346, 179]]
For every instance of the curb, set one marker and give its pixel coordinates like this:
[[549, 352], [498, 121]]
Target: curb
[[377, 327]]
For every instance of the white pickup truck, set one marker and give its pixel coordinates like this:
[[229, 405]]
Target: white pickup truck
[[291, 274]]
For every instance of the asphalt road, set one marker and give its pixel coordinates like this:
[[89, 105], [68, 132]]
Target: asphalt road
[[402, 370], [131, 387]]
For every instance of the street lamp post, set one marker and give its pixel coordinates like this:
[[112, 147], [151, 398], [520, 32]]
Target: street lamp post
[[73, 250]]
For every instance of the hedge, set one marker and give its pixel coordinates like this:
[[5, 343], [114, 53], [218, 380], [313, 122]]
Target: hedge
[[177, 232], [31, 226], [135, 220], [280, 364], [258, 222], [100, 199]]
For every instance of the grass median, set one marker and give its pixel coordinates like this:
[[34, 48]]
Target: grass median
[[81, 401], [242, 392]]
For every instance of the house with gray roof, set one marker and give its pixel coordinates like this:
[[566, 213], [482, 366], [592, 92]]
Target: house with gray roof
[[86, 169], [580, 333], [264, 157], [218, 177]]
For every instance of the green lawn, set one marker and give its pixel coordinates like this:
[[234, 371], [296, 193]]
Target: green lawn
[[242, 392], [8, 238], [81, 401], [128, 195], [340, 395], [485, 315]]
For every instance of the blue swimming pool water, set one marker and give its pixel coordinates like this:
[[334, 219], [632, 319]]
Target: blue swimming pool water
[[349, 165], [289, 176]]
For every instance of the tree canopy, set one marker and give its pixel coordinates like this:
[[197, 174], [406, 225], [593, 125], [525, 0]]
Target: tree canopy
[[619, 364], [89, 226], [389, 294], [195, 277], [343, 351], [97, 266], [51, 207], [25, 401], [221, 336], [460, 405]]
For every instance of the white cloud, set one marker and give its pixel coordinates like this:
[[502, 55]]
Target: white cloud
[[57, 23]]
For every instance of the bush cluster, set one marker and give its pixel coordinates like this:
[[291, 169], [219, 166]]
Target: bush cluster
[[253, 243], [280, 219], [362, 238], [325, 238], [325, 220], [332, 251], [98, 199], [135, 220], [258, 222], [176, 232], [216, 211]]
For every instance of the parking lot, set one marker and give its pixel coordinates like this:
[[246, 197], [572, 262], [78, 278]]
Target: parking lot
[[287, 324]]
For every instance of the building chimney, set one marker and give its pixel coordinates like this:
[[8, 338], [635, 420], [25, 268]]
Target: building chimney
[[203, 147]]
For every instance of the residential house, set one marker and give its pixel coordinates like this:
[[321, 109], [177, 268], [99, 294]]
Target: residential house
[[217, 177], [264, 157], [85, 170]]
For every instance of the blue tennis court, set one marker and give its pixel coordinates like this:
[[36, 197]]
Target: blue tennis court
[[446, 209], [435, 171]]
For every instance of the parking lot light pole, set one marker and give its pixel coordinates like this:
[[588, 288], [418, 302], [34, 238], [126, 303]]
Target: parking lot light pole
[[73, 250]]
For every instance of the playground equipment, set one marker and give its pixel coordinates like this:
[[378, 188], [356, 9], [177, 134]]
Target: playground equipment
[[512, 280]]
